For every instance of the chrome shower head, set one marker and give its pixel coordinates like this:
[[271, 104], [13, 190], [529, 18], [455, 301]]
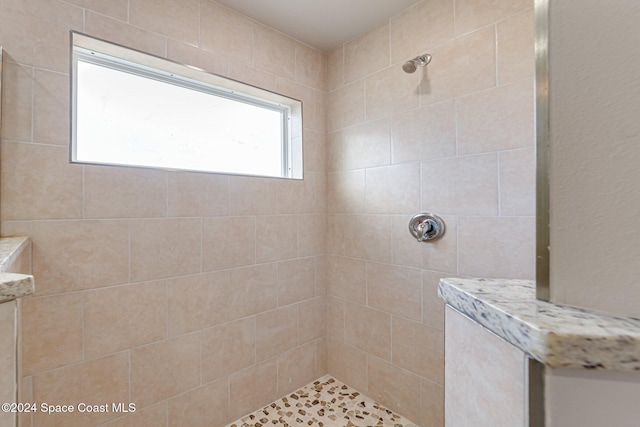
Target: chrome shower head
[[412, 65], [409, 67]]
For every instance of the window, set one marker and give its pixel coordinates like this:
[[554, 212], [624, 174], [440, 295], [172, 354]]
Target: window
[[134, 109]]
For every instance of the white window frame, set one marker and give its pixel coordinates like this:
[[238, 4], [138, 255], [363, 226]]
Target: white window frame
[[98, 52]]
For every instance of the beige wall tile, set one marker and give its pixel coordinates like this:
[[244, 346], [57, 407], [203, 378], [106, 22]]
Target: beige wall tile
[[301, 92], [474, 14], [312, 235], [128, 35], [367, 54], [25, 394], [347, 364], [312, 320], [39, 183], [517, 182], [321, 358], [336, 232], [274, 52], [321, 276], [368, 329], [228, 348], [418, 348], [49, 22], [432, 404], [375, 230], [253, 388], [197, 302], [202, 407], [22, 263], [319, 121], [335, 318], [211, 62], [393, 189], [432, 305], [226, 31], [482, 371], [121, 192], [198, 194], [506, 251], [95, 254], [396, 290], [346, 279], [17, 101], [335, 69], [165, 248], [391, 91], [15, 228], [228, 242], [118, 9], [311, 67], [420, 28], [302, 196], [124, 317], [151, 416], [441, 254], [96, 382], [463, 66], [296, 281], [179, 20], [345, 192], [296, 368], [334, 149], [314, 151], [515, 48], [461, 185], [50, 107], [247, 74], [165, 369], [8, 362], [276, 331], [366, 145], [425, 133], [394, 388], [496, 119], [276, 238], [253, 290], [345, 106], [252, 196], [320, 185]]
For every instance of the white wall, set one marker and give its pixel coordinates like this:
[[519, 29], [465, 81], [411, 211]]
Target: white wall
[[595, 151]]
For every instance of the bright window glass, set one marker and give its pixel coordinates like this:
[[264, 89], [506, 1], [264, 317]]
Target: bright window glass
[[132, 114]]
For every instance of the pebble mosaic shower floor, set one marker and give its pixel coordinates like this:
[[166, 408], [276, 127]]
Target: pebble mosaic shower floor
[[325, 402]]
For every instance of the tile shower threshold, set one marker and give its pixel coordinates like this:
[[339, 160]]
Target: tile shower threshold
[[325, 402]]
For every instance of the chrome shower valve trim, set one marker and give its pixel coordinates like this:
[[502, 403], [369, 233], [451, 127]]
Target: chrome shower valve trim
[[426, 227]]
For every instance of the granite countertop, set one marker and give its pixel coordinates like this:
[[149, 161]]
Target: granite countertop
[[557, 335], [13, 285]]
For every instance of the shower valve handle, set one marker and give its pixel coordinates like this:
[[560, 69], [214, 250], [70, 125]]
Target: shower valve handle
[[426, 226]]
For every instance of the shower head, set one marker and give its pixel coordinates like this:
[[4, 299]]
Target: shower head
[[412, 65]]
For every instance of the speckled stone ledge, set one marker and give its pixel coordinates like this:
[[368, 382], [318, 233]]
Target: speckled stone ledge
[[556, 335], [13, 285]]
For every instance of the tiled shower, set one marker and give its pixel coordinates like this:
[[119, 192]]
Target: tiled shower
[[204, 297]]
